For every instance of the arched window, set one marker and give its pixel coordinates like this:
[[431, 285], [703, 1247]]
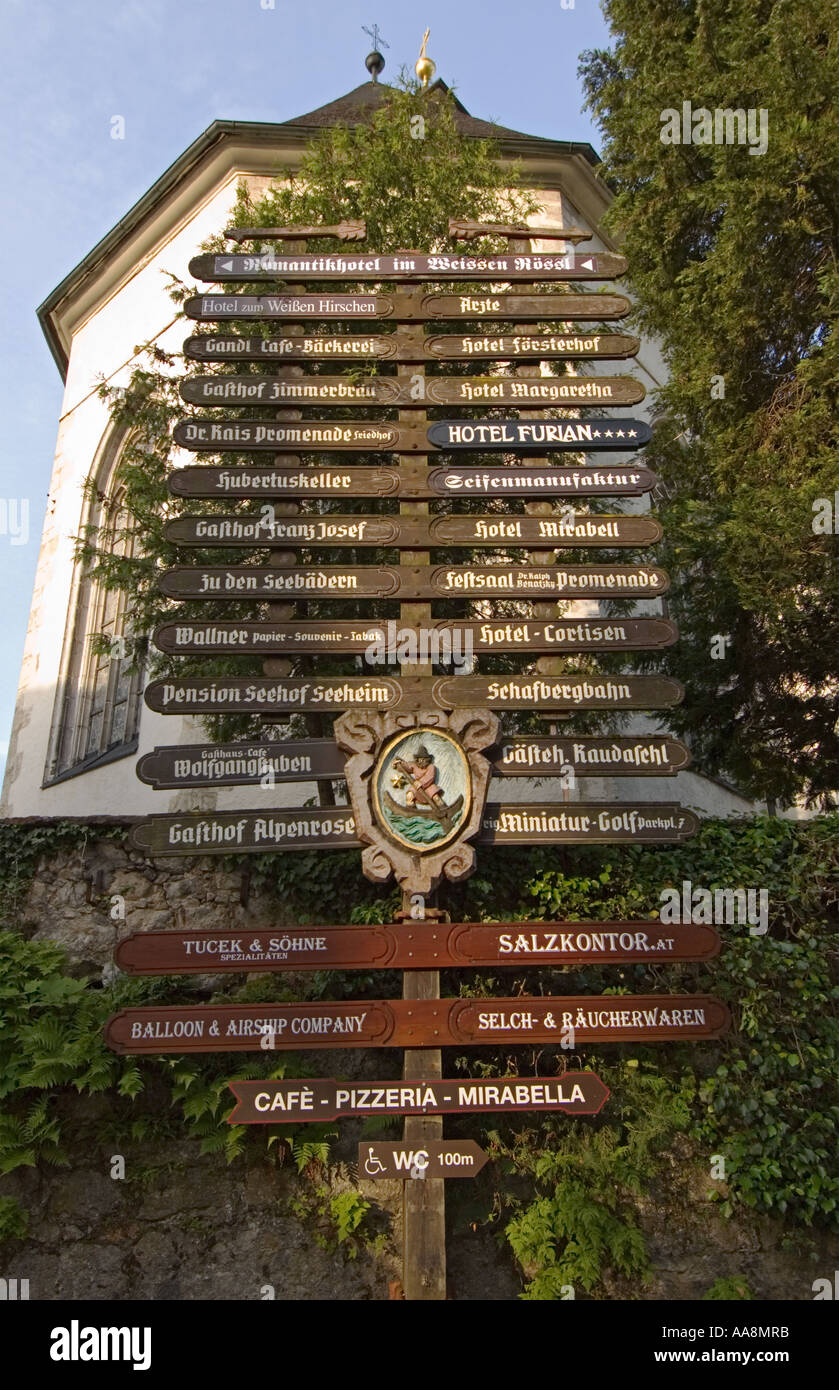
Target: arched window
[[97, 710]]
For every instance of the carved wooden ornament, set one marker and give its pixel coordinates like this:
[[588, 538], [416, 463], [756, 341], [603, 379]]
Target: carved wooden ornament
[[417, 783]]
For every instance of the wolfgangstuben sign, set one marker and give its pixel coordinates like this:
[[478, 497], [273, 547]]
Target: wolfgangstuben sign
[[253, 763]]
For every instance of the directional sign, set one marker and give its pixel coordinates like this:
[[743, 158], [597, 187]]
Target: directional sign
[[520, 1021], [415, 581], [414, 946], [375, 436], [522, 347], [269, 695], [388, 642], [578, 822], [502, 480], [467, 229], [434, 1158], [299, 1102], [567, 528], [243, 436], [367, 265], [254, 763], [403, 308], [539, 436], [532, 392]]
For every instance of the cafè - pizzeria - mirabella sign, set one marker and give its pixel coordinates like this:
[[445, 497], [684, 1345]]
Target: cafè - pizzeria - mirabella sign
[[579, 822], [310, 694], [267, 528], [413, 581], [409, 482], [380, 436], [401, 308], [366, 265], [253, 763], [520, 1021], [281, 1102], [414, 946], [387, 641], [532, 392]]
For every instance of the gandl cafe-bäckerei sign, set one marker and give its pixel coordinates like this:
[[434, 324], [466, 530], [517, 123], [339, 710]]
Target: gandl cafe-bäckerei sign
[[414, 752]]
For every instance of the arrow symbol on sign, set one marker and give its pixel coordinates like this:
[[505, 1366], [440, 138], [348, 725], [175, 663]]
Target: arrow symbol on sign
[[588, 265]]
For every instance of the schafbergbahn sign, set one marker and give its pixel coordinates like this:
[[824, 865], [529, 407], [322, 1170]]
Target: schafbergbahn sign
[[394, 391], [287, 695], [579, 822], [366, 265], [380, 436], [352, 480], [299, 1102], [520, 1021], [313, 760], [388, 642], [399, 308], [414, 946], [414, 581], [265, 528]]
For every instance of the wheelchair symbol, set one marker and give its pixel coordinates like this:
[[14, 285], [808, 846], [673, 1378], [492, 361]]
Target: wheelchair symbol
[[372, 1164]]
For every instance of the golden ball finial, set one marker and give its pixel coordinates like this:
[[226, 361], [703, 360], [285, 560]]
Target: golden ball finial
[[425, 67]]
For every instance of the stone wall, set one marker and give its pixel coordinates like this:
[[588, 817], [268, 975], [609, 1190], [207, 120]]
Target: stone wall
[[186, 1225]]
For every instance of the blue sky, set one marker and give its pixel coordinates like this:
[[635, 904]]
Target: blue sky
[[169, 68]]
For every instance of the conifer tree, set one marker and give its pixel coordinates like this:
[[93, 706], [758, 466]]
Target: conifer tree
[[733, 259]]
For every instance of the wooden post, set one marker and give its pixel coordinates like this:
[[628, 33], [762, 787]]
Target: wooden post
[[424, 1201]]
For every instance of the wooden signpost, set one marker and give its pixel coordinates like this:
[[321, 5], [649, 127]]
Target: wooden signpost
[[380, 436], [284, 695], [331, 530], [414, 946], [416, 307], [442, 640], [461, 1158], [529, 822], [532, 392], [353, 480], [414, 751], [539, 1020], [414, 581], [302, 1102], [365, 265], [315, 760]]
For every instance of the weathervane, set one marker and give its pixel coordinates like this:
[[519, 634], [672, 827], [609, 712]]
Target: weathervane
[[425, 67], [374, 61]]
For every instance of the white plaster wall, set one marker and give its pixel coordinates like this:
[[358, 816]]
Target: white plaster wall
[[103, 342]]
